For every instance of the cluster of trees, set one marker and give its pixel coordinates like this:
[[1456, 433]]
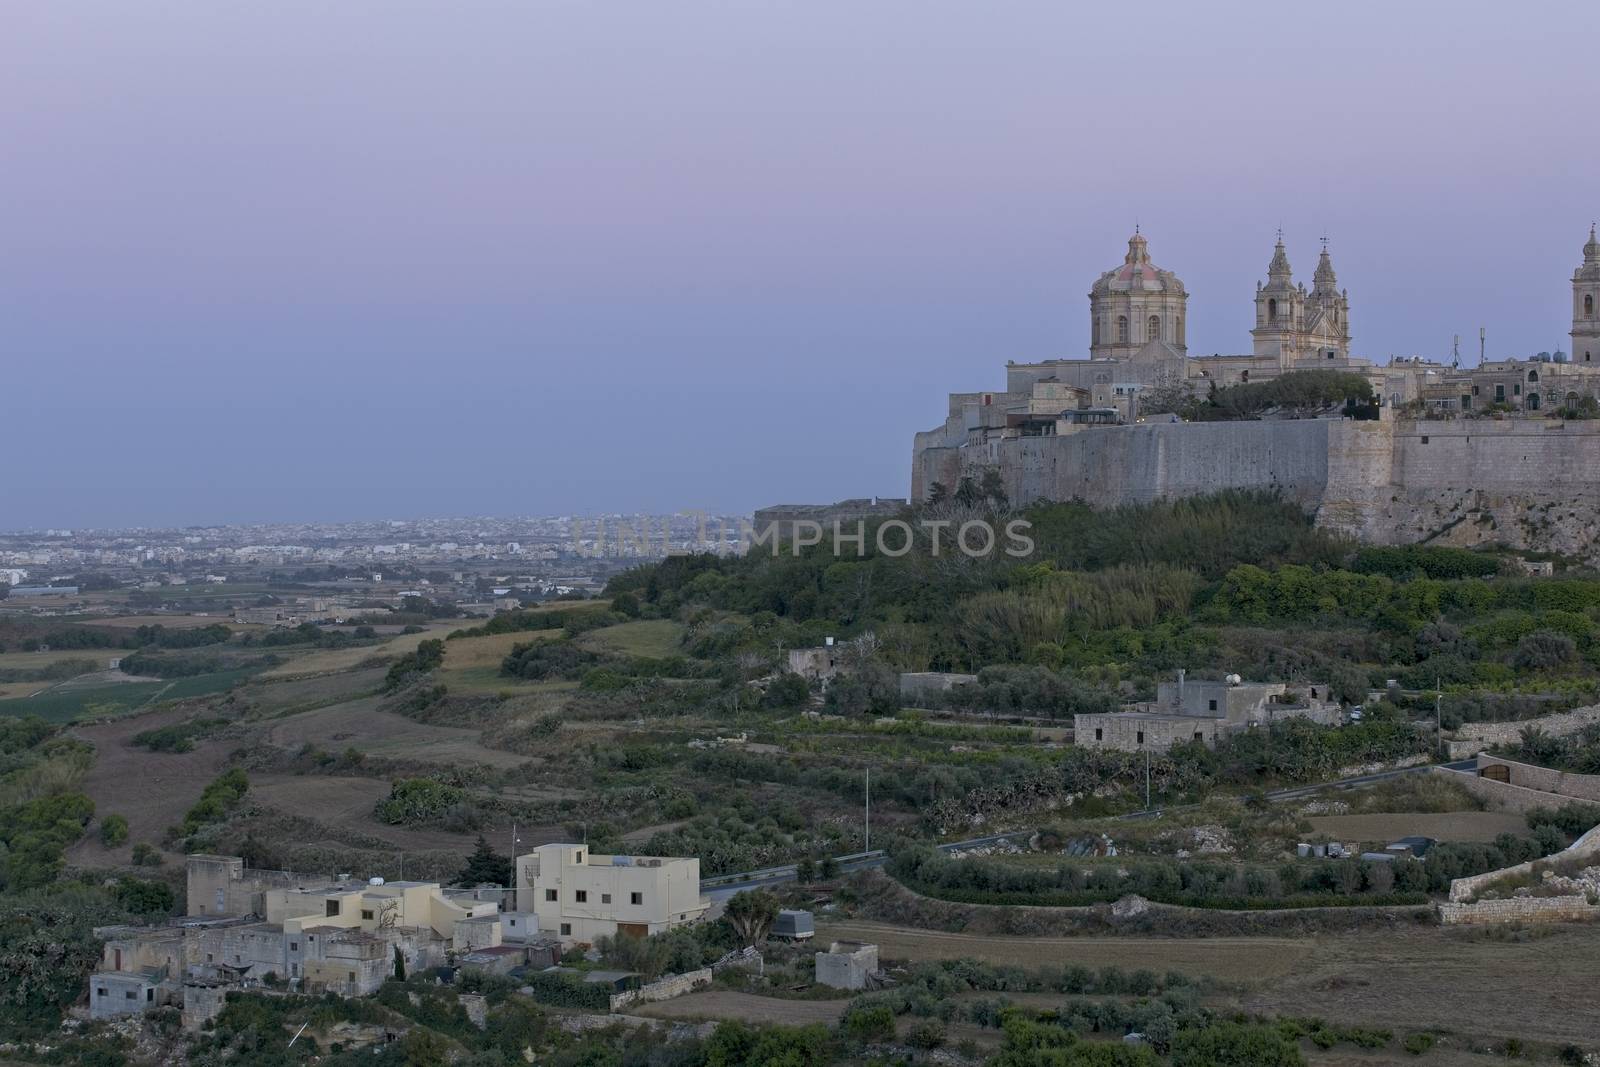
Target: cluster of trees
[[419, 801], [1306, 391], [217, 801], [428, 656]]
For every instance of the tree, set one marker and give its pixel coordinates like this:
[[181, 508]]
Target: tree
[[145, 898], [399, 965], [938, 493], [751, 914], [485, 865]]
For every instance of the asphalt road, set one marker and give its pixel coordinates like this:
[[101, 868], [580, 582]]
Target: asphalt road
[[721, 888]]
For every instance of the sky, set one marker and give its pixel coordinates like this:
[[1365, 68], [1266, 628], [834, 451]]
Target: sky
[[382, 259]]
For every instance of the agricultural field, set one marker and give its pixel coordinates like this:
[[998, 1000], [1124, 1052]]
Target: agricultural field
[[334, 661], [652, 639]]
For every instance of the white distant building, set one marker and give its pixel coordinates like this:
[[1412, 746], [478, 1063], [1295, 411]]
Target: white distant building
[[579, 896], [13, 576]]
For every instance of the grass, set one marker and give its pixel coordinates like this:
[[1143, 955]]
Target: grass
[[649, 638], [65, 705]]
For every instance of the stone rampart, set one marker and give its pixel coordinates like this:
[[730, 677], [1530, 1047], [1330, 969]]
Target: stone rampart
[[1526, 482]]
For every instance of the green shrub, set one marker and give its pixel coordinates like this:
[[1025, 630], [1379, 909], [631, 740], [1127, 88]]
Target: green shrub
[[113, 830], [1417, 1044]]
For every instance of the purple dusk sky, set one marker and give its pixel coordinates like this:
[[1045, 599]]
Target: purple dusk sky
[[377, 258]]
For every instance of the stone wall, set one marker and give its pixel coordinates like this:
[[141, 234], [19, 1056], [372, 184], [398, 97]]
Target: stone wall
[[1583, 849], [1526, 482], [1519, 910], [1474, 737], [673, 985], [1561, 783], [1499, 796]]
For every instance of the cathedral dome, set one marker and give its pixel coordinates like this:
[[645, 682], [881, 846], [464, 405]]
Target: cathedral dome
[[1137, 273]]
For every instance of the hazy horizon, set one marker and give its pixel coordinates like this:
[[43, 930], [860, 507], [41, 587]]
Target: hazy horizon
[[315, 262]]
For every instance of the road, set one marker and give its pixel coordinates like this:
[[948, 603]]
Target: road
[[719, 889]]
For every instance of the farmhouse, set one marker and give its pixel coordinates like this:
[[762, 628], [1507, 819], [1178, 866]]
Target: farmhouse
[[1204, 711], [579, 896], [248, 927]]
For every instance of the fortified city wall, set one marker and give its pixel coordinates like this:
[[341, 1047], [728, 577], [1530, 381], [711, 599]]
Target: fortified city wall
[[1528, 483]]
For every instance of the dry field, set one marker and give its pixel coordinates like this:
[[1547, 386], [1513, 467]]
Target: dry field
[[466, 653], [327, 661], [347, 802], [726, 1004], [32, 661], [172, 622], [1230, 958], [1443, 826], [1529, 985], [360, 725], [14, 690], [152, 790]]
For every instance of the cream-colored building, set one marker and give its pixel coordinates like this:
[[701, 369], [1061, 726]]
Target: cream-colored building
[[579, 896]]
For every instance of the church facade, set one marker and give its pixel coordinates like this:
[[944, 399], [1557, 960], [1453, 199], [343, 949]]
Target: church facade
[[1138, 349]]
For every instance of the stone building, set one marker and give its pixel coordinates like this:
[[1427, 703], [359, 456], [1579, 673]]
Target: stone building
[[1205, 711], [248, 928], [1586, 305], [579, 896], [1137, 309]]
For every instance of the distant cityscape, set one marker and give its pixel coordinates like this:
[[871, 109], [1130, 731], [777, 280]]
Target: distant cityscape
[[459, 560]]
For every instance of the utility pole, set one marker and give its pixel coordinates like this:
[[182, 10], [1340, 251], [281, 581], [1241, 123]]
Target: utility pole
[[1147, 779], [1438, 713], [869, 811]]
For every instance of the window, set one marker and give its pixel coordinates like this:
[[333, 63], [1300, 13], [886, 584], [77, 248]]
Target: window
[[605, 898], [1095, 330], [101, 991], [1330, 353], [1141, 737], [1533, 376], [333, 907], [1516, 388], [1122, 329], [1533, 401], [1588, 307], [209, 958], [1272, 311], [580, 856], [1212, 705], [130, 995], [1499, 391], [1424, 438], [150, 996], [222, 903], [582, 896], [1099, 734], [566, 929], [366, 913], [550, 895], [294, 946], [1152, 330], [636, 899], [1474, 390], [1198, 736], [1178, 329]]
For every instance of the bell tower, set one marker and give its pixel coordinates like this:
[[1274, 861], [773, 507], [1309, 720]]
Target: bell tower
[[1280, 310], [1586, 305]]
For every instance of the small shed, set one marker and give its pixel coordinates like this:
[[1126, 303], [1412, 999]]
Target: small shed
[[794, 924], [1416, 847]]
